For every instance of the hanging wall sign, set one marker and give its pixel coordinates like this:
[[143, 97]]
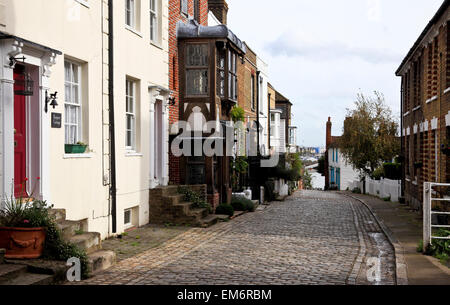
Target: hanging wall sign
[[56, 120]]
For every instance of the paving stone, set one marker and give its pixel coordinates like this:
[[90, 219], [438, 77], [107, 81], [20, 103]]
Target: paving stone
[[312, 238]]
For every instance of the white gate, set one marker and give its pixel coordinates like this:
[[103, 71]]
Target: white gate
[[428, 225]]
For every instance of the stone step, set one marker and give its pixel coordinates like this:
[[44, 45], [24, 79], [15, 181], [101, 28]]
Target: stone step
[[59, 214], [69, 228], [170, 190], [9, 272], [90, 242], [101, 260], [184, 207], [209, 221], [198, 213], [31, 279], [173, 199]]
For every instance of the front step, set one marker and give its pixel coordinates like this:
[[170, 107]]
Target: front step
[[10, 272], [31, 279], [90, 242], [209, 221], [101, 260], [69, 228], [58, 214]]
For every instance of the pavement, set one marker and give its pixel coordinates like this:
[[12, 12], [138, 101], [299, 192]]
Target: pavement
[[404, 226], [312, 238]]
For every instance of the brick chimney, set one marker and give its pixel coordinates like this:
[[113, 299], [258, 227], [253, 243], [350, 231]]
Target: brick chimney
[[220, 9], [329, 125]]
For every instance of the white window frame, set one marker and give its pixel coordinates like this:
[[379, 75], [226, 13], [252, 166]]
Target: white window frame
[[130, 97], [154, 21], [128, 225], [71, 104], [130, 8]]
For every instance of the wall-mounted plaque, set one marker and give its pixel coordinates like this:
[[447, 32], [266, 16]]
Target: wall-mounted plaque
[[56, 120]]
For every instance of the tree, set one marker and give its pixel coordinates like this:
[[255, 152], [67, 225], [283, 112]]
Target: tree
[[321, 167], [370, 134]]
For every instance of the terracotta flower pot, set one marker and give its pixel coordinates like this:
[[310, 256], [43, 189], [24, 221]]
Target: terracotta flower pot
[[22, 243]]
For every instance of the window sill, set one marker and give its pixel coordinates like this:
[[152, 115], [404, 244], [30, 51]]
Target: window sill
[[406, 114], [156, 45], [447, 90], [77, 156], [131, 154], [432, 99], [417, 108], [134, 31]]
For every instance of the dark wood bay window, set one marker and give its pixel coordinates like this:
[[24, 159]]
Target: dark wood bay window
[[197, 61]]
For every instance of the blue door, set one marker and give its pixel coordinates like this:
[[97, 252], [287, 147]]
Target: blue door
[[338, 178]]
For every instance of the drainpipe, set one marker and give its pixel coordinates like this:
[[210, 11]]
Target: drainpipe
[[402, 149], [112, 133], [257, 111]]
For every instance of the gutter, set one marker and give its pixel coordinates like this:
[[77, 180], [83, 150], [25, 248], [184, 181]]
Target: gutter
[[112, 133]]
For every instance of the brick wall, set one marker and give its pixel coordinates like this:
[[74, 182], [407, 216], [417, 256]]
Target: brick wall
[[175, 15], [424, 99]]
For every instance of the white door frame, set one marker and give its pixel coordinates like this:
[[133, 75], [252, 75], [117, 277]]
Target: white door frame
[[43, 59], [158, 93]]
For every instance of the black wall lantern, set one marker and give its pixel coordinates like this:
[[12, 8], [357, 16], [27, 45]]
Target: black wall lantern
[[23, 83], [50, 99]]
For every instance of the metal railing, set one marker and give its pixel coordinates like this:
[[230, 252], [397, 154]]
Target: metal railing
[[428, 225]]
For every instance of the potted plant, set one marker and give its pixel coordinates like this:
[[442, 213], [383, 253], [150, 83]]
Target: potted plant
[[79, 148], [22, 226]]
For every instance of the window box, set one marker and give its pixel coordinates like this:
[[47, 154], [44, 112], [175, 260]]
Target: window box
[[75, 148]]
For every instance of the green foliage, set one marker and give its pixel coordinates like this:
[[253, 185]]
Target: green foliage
[[378, 173], [307, 180], [321, 167], [242, 204], [225, 209], [356, 190], [237, 114], [387, 199], [36, 214], [190, 196], [440, 248], [240, 165], [370, 134]]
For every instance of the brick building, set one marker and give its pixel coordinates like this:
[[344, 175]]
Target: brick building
[[425, 105], [180, 10]]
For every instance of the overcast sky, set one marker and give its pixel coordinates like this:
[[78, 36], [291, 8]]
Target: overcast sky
[[321, 53]]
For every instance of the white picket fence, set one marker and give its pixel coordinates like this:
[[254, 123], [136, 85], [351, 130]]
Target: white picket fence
[[383, 188]]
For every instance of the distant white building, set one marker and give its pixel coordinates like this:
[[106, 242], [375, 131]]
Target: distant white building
[[340, 173]]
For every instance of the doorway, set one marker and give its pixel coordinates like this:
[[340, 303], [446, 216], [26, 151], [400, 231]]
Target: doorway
[[158, 132], [20, 135]]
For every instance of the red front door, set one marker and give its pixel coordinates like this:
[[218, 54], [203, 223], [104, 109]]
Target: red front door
[[20, 141]]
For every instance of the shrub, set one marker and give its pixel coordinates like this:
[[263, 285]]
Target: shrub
[[356, 190], [190, 196], [378, 173], [242, 204], [440, 248], [225, 209], [35, 215]]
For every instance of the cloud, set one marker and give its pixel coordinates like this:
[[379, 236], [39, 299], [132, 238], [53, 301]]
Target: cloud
[[290, 46]]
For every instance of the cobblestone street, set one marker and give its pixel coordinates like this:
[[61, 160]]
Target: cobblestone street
[[311, 238]]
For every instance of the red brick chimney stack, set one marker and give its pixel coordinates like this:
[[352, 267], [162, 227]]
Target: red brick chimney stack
[[220, 9], [329, 125]]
